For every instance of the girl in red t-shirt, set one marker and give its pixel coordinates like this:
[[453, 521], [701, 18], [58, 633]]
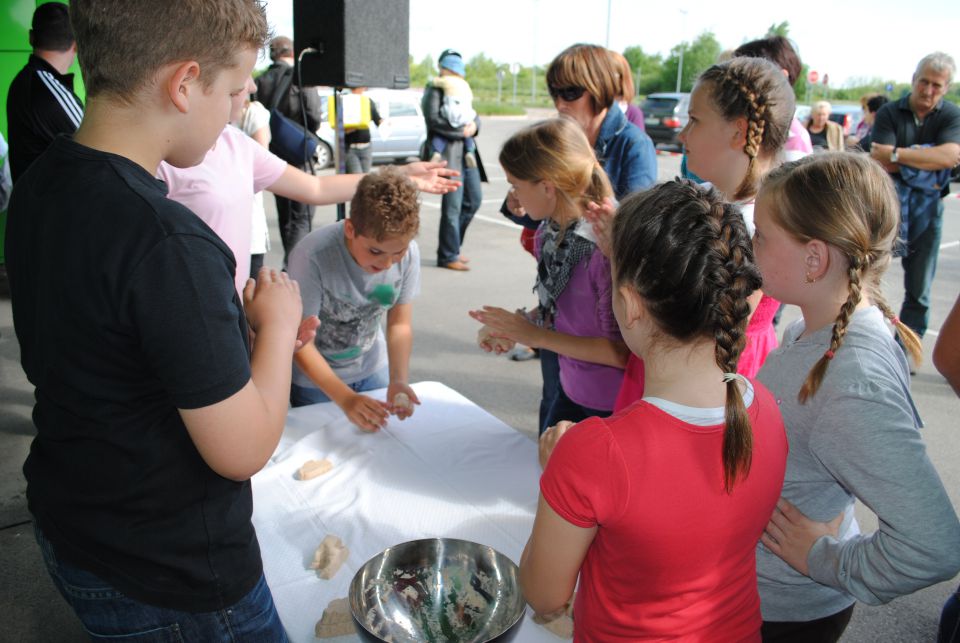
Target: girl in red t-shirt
[[658, 508]]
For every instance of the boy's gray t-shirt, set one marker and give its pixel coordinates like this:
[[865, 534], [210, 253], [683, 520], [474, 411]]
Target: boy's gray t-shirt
[[349, 302], [857, 437]]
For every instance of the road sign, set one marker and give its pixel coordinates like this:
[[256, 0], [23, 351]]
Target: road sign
[[813, 76]]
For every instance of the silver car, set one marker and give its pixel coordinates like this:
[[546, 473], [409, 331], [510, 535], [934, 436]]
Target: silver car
[[402, 134]]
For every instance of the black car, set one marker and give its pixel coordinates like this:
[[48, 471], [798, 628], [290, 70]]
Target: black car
[[664, 115]]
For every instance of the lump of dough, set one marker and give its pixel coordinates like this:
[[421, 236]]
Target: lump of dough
[[496, 344], [329, 557], [402, 401], [314, 468], [560, 624], [336, 620]]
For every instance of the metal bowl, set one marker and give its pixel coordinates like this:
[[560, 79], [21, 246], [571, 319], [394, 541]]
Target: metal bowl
[[437, 589]]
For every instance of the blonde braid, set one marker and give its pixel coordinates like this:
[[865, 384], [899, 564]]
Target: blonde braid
[[819, 370], [756, 124], [909, 338]]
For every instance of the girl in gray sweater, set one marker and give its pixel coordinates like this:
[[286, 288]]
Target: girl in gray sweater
[[825, 228]]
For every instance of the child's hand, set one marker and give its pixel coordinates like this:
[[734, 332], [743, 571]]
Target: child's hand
[[432, 177], [600, 216], [791, 535], [549, 439], [513, 203], [402, 408], [367, 413], [307, 331], [506, 325], [274, 298]]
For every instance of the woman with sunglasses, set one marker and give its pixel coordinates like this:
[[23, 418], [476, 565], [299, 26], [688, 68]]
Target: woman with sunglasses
[[585, 84]]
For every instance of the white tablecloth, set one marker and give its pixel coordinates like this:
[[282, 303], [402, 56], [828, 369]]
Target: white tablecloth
[[452, 470]]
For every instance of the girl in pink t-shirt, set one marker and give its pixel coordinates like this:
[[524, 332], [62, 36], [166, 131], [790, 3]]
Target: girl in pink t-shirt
[[740, 115], [658, 508]]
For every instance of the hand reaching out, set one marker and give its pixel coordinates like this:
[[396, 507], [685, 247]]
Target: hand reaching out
[[365, 412], [600, 216], [549, 439], [507, 325], [395, 406], [432, 177]]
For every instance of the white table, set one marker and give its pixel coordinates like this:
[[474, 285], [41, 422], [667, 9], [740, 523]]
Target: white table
[[452, 470]]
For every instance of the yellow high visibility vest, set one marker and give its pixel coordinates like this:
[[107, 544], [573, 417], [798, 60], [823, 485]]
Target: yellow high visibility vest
[[356, 111]]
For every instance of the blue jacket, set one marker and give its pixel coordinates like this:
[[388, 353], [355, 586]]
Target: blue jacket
[[627, 155], [919, 192]]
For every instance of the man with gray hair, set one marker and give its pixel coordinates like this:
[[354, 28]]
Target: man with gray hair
[[917, 140]]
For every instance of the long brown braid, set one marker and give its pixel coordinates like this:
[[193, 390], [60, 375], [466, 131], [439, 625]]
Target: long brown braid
[[688, 255], [754, 89], [849, 202]]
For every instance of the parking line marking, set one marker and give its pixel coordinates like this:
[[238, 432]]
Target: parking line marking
[[949, 244]]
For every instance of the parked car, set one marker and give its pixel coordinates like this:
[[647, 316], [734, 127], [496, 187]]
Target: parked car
[[402, 134], [664, 115], [848, 116]]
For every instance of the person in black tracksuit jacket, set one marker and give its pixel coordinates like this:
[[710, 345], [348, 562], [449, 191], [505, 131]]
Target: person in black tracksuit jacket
[[41, 103]]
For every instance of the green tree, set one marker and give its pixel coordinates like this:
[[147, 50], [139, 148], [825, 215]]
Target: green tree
[[650, 67], [697, 56], [421, 72], [782, 29]]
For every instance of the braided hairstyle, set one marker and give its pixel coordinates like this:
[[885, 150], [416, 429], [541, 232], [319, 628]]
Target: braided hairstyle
[[688, 255], [754, 89], [849, 202]]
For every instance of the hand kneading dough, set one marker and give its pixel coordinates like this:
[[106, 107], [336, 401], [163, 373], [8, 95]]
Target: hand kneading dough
[[561, 624], [329, 557], [402, 401], [314, 468], [496, 344], [336, 620]]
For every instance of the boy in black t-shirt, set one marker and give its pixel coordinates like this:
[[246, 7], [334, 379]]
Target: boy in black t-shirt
[[151, 413]]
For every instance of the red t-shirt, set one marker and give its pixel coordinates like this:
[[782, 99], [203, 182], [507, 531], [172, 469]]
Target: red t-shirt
[[674, 555]]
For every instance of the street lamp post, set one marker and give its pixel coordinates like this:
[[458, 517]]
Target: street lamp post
[[683, 45]]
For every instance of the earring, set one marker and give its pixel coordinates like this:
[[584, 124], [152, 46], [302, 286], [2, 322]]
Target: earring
[[810, 280]]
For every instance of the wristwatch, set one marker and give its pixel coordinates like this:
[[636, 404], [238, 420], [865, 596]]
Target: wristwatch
[[894, 158]]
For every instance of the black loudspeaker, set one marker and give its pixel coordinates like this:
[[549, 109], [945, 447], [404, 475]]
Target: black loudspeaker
[[355, 43]]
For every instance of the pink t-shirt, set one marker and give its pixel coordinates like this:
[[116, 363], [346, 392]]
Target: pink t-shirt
[[674, 556], [220, 190], [798, 142]]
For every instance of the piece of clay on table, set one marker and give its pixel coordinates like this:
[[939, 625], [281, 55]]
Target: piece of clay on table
[[336, 620], [560, 625], [329, 557], [313, 468]]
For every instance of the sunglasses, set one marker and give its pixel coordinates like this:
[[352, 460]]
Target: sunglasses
[[566, 94]]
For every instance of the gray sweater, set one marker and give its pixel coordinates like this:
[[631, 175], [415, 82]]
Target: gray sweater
[[857, 437]]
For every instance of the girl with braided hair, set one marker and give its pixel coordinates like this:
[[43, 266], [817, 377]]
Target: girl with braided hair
[[554, 173], [740, 115], [626, 501], [825, 229]]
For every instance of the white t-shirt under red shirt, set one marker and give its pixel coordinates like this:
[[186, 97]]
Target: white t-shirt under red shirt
[[220, 190], [674, 555]]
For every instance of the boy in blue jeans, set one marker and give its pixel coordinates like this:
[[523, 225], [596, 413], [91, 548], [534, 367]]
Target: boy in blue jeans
[[151, 411], [352, 273]]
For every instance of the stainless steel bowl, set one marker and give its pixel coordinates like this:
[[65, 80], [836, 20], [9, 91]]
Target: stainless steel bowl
[[437, 589]]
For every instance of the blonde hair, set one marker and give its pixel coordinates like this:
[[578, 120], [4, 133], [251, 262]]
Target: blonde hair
[[688, 255], [557, 150], [590, 67], [120, 47], [847, 201], [754, 89]]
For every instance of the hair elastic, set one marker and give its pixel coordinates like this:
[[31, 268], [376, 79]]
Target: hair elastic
[[730, 377], [829, 354], [895, 320]]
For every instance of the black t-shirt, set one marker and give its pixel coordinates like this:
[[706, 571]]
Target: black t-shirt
[[897, 125], [125, 309], [819, 139]]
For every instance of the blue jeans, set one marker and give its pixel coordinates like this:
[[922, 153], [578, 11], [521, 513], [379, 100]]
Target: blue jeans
[[919, 267], [304, 395], [456, 212], [950, 620], [550, 370], [107, 614]]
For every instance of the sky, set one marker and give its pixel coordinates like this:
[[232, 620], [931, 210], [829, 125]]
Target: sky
[[842, 38]]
